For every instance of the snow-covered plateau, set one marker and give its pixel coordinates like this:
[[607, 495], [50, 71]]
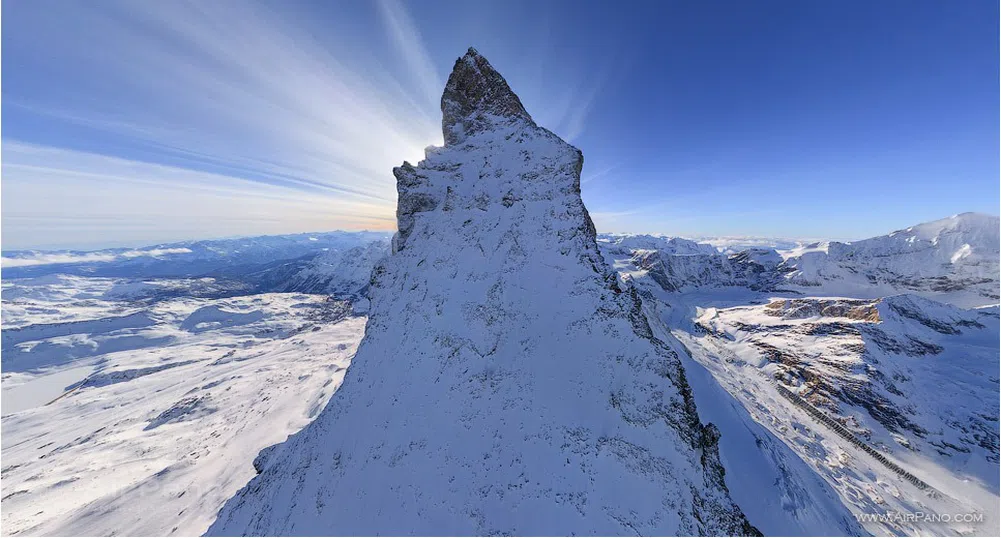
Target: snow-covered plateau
[[512, 371], [132, 418]]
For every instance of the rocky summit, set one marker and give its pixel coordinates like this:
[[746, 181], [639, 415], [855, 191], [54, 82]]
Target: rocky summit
[[507, 383], [477, 97]]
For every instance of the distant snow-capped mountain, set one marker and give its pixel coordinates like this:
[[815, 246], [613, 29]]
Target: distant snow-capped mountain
[[677, 264], [342, 273], [668, 245], [182, 259], [955, 260]]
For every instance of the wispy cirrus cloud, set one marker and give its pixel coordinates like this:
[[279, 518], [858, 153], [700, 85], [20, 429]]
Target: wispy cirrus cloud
[[78, 198], [181, 119], [180, 103], [407, 41], [594, 175]]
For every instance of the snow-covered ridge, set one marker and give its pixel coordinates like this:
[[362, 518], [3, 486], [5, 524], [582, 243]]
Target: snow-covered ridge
[[669, 245], [954, 259], [970, 241], [875, 334]]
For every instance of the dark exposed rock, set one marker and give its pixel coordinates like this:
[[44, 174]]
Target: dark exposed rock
[[839, 308], [476, 96], [186, 409]]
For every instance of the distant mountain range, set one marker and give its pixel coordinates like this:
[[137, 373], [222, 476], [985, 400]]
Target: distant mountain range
[[955, 260], [182, 259]]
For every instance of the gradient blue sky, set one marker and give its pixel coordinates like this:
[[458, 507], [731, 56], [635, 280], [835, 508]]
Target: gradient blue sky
[[137, 122]]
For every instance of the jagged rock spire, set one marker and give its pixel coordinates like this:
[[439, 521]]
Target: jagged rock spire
[[475, 96], [505, 375]]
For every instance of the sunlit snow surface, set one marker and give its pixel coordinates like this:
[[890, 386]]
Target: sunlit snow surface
[[915, 378], [135, 418], [136, 407]]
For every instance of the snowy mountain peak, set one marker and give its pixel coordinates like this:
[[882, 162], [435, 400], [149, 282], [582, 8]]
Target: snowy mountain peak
[[475, 97], [505, 162], [954, 254], [506, 384], [975, 227]]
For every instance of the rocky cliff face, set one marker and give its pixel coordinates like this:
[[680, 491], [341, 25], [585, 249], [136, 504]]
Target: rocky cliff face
[[506, 383]]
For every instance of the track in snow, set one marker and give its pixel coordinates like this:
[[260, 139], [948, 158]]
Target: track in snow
[[849, 436]]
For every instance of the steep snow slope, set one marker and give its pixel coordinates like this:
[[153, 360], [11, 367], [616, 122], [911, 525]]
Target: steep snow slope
[[505, 385], [155, 426], [780, 493], [872, 364], [915, 379]]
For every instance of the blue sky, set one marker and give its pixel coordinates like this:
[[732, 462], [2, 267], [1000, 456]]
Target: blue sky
[[129, 122]]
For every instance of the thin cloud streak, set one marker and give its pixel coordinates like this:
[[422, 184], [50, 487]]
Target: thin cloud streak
[[79, 195], [221, 87], [231, 99], [590, 177], [407, 40]]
